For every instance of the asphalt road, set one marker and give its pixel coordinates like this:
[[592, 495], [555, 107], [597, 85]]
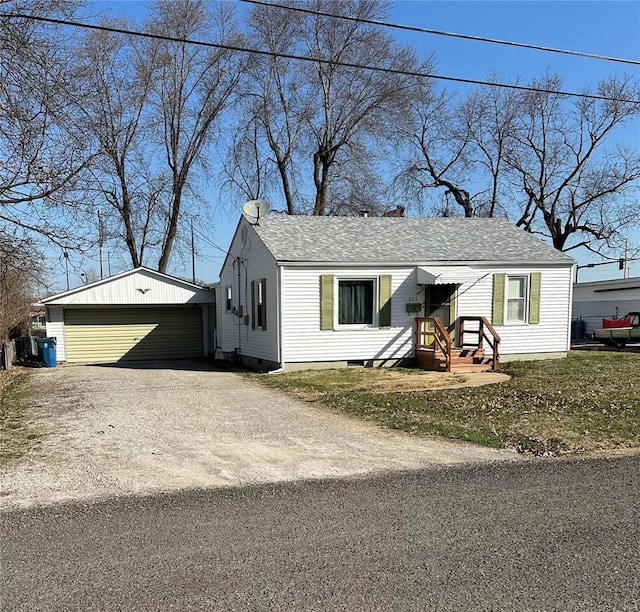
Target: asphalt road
[[543, 535]]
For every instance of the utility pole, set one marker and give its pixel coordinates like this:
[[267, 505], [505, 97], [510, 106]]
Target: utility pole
[[626, 260], [101, 242], [193, 255], [66, 265]]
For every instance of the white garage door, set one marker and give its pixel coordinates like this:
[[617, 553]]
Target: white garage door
[[129, 334]]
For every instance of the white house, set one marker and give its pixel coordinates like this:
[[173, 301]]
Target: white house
[[139, 314], [301, 291], [605, 299]]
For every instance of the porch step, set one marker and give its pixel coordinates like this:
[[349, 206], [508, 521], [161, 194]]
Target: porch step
[[470, 367], [462, 360], [460, 352]]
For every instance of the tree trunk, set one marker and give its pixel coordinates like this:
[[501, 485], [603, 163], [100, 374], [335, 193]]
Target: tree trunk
[[172, 230]]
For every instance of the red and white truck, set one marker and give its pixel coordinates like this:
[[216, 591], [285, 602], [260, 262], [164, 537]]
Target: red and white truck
[[619, 332]]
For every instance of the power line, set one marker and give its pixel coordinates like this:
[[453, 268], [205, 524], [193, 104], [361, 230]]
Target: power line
[[319, 60], [208, 241], [399, 26]]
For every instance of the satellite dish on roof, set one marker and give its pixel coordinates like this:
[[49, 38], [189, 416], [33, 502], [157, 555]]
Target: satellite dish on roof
[[254, 209]]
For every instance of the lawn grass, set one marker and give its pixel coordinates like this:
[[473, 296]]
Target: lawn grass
[[587, 402], [15, 433]]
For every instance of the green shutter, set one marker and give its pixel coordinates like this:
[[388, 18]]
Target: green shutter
[[384, 319], [534, 298], [452, 311], [498, 299], [263, 306], [326, 301], [253, 304]]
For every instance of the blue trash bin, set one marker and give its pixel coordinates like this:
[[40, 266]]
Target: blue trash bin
[[47, 351]]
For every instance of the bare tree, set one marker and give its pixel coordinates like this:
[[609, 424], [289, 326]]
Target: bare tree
[[115, 117], [244, 167], [191, 88], [440, 156], [575, 181], [353, 103], [20, 272], [545, 160], [460, 148], [277, 102], [322, 124], [489, 116], [154, 111], [40, 153]]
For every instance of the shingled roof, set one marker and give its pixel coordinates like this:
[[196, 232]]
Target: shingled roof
[[401, 240]]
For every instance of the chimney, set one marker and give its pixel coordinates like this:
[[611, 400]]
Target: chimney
[[364, 213], [397, 212]]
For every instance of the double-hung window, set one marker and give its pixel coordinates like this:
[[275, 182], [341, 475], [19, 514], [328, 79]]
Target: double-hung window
[[517, 299]]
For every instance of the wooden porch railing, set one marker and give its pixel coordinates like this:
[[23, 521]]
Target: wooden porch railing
[[432, 334], [493, 338]]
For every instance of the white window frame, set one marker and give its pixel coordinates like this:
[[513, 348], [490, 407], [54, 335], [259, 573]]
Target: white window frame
[[336, 303], [228, 299], [527, 288], [259, 303], [259, 288]]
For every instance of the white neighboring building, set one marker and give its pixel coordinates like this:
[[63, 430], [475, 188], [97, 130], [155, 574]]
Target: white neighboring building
[[138, 314], [301, 291], [605, 299]]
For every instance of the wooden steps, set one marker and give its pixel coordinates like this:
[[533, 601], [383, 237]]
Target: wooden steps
[[462, 360], [435, 351]]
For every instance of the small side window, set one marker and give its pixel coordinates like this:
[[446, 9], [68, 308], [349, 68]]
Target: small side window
[[259, 304], [227, 299]]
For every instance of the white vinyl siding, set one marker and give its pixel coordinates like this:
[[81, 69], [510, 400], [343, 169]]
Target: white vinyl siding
[[130, 334], [247, 264], [137, 287], [550, 335], [55, 329], [305, 341]]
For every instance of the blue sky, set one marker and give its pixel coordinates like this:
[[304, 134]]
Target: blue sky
[[608, 28]]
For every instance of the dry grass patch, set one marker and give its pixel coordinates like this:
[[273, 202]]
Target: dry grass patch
[[587, 402], [312, 385], [16, 434]]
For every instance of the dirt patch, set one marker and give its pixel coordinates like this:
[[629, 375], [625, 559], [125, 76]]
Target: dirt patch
[[399, 382], [390, 381], [313, 385]]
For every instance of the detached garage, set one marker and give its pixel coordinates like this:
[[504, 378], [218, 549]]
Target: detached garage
[[136, 315]]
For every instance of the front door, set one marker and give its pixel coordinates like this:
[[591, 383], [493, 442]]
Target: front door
[[440, 301]]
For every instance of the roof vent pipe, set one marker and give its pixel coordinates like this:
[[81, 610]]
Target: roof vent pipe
[[364, 213]]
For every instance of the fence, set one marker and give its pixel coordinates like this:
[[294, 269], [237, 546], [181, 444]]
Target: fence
[[24, 350], [7, 354]]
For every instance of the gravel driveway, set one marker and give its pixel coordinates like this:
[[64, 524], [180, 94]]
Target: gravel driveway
[[164, 426]]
